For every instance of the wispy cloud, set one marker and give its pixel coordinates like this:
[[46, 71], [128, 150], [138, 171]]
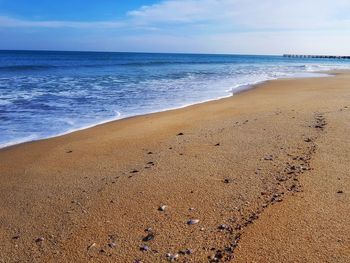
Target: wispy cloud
[[250, 14], [228, 14]]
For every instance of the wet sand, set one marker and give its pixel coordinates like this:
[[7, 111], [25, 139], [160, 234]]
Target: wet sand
[[258, 177]]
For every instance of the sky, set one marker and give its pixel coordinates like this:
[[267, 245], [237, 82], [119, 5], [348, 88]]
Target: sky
[[180, 26]]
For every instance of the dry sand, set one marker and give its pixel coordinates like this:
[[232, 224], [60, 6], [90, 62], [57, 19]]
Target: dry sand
[[266, 173]]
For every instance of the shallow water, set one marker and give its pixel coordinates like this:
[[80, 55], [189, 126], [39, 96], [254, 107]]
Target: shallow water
[[43, 94]]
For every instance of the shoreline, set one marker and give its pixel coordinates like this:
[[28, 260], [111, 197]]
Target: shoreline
[[232, 92], [202, 183]]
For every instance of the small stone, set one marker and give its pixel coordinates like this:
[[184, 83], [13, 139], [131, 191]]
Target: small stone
[[16, 237], [172, 257], [69, 151], [162, 208], [144, 248], [112, 245], [218, 144], [150, 153], [149, 237], [268, 158], [134, 171], [193, 221], [340, 192], [186, 252], [39, 239], [191, 209], [227, 181], [180, 134], [223, 227], [149, 229]]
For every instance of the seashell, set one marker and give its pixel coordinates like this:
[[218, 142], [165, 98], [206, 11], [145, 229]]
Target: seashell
[[162, 208], [91, 246], [193, 221], [172, 257]]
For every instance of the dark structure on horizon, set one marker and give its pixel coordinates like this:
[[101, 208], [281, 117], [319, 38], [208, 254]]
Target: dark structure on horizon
[[315, 56]]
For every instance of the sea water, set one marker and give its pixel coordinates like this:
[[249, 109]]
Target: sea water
[[47, 93]]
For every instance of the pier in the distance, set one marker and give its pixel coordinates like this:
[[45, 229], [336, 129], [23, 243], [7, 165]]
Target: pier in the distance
[[315, 56]]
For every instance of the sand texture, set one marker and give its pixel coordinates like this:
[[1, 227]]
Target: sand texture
[[263, 176]]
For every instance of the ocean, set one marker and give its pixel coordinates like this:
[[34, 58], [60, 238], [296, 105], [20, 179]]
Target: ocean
[[46, 93]]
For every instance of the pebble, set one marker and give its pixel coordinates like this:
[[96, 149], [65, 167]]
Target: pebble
[[227, 181], [172, 257], [39, 239], [186, 252], [149, 237], [180, 134], [268, 158], [134, 171], [144, 248], [340, 192], [193, 221], [162, 208], [112, 245], [223, 227]]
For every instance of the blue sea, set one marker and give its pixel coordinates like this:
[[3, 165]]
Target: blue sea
[[45, 94]]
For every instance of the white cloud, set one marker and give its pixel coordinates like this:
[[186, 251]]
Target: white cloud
[[250, 14]]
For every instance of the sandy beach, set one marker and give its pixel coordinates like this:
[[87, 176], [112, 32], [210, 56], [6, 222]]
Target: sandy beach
[[262, 176]]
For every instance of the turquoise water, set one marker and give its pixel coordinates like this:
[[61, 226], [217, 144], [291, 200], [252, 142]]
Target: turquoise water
[[44, 94]]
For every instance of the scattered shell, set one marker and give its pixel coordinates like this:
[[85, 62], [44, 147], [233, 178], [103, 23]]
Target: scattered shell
[[39, 239], [191, 209], [186, 252], [172, 257], [144, 248], [193, 221], [162, 208], [268, 158], [112, 245], [148, 229], [223, 227], [91, 246]]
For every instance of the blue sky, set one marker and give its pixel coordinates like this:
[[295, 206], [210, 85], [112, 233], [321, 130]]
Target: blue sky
[[195, 26]]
